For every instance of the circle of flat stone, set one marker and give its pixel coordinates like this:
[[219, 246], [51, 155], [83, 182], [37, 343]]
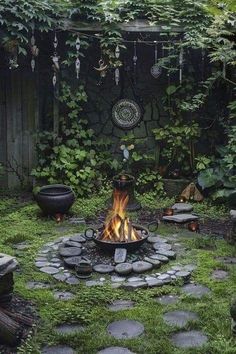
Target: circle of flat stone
[[124, 268], [115, 350], [167, 299], [67, 328], [49, 270], [155, 239], [72, 244], [163, 246], [120, 305], [70, 251], [72, 261], [72, 280], [141, 266], [125, 329], [63, 295], [58, 349], [160, 258], [103, 268], [220, 274], [195, 290], [179, 318], [77, 238], [189, 339]]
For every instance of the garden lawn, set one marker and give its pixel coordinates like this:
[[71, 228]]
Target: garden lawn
[[22, 221]]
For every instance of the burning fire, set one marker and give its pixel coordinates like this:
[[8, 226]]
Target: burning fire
[[118, 227]]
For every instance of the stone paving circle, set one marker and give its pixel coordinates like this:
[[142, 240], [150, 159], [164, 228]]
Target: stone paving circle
[[58, 349], [179, 318], [115, 350], [220, 274], [119, 305], [195, 290], [167, 299], [125, 329], [190, 339], [67, 328]]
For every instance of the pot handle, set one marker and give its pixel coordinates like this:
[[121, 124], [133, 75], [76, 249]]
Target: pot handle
[[88, 235], [153, 226]]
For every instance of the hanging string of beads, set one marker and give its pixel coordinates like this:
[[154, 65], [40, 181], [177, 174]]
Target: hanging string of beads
[[135, 58], [55, 60], [117, 70], [77, 61]]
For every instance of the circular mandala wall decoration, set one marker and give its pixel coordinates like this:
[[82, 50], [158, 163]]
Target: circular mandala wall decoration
[[126, 114]]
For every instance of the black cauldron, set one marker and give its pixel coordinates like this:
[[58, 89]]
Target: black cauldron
[[126, 183], [55, 198]]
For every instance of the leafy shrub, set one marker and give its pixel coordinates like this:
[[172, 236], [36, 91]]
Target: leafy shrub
[[150, 181]]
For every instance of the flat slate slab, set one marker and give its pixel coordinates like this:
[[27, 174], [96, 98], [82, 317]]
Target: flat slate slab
[[155, 239], [115, 350], [49, 270], [167, 299], [189, 339], [103, 268], [179, 318], [125, 329], [67, 328], [119, 305], [141, 266], [168, 254], [195, 290], [77, 238], [163, 246], [70, 251], [133, 285], [120, 255], [180, 218], [58, 349], [182, 207], [124, 268], [160, 258]]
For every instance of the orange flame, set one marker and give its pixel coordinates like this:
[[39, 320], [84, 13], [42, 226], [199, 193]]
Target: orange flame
[[118, 227]]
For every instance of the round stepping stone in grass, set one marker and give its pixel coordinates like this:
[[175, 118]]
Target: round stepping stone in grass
[[141, 266], [49, 270], [167, 299], [160, 258], [70, 251], [63, 295], [183, 275], [77, 238], [67, 328], [103, 268], [72, 280], [190, 339], [60, 276], [58, 349], [115, 350], [124, 268], [37, 285], [220, 274], [119, 305], [195, 290], [125, 329], [179, 318]]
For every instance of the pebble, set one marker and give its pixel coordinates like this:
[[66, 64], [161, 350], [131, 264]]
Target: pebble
[[119, 305], [155, 282], [117, 279], [195, 290], [115, 350], [93, 283], [182, 207], [155, 239], [41, 264], [60, 276], [77, 238], [179, 318], [180, 218]]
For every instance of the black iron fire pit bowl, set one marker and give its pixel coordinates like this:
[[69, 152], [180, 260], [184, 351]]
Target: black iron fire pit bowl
[[109, 246], [55, 198]]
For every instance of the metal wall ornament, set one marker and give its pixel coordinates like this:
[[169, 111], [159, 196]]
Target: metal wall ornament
[[102, 69], [156, 69], [34, 49], [117, 70], [55, 60], [126, 114], [77, 61]]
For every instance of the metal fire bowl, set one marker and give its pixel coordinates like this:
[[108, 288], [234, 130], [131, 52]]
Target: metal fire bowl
[[111, 246]]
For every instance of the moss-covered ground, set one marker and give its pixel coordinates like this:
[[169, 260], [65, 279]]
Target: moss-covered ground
[[21, 221]]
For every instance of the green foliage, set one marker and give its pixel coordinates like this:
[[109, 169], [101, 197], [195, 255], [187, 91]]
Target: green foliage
[[150, 181], [201, 162]]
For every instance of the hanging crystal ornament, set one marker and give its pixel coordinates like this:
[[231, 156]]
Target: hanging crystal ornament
[[55, 60], [156, 69], [117, 71], [135, 58], [181, 62], [34, 49], [117, 52], [77, 61]]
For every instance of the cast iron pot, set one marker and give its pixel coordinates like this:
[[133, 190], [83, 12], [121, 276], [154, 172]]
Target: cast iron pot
[[55, 198], [126, 183]]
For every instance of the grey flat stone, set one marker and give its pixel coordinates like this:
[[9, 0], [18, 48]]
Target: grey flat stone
[[124, 268], [155, 262], [72, 261], [72, 244], [141, 266], [37, 285], [49, 270], [163, 276], [131, 279], [133, 285], [94, 283], [183, 275], [159, 257], [67, 328], [189, 267], [179, 318], [125, 329], [55, 260], [195, 290], [189, 339], [120, 255], [167, 299], [117, 279], [233, 214], [70, 251], [103, 268], [41, 264], [154, 283], [115, 350], [164, 246], [77, 238], [220, 274], [120, 305], [41, 259], [182, 207], [72, 280], [171, 272], [60, 276], [180, 218], [58, 349], [227, 260], [155, 239], [168, 254], [63, 295]]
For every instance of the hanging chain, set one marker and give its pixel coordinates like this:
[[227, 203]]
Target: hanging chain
[[55, 60], [77, 60], [117, 70]]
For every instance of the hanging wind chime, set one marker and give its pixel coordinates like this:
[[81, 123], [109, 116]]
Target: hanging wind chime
[[55, 60], [117, 70], [156, 69], [77, 61], [181, 64], [102, 69], [34, 49], [135, 58]]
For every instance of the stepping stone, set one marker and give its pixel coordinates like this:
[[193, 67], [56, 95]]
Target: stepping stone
[[183, 275], [179, 318], [162, 246], [155, 262], [37, 285], [117, 279], [120, 255], [63, 295], [167, 299], [220, 274], [154, 282], [160, 258], [72, 261], [124, 268], [119, 305], [141, 266], [125, 329], [227, 260], [155, 239], [189, 267], [58, 349], [180, 218], [168, 254], [133, 285], [72, 244], [164, 276], [41, 264], [94, 283], [67, 328], [49, 270], [182, 207], [115, 350], [131, 279], [77, 238], [60, 276], [103, 268], [70, 251], [72, 280], [195, 290], [189, 339]]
